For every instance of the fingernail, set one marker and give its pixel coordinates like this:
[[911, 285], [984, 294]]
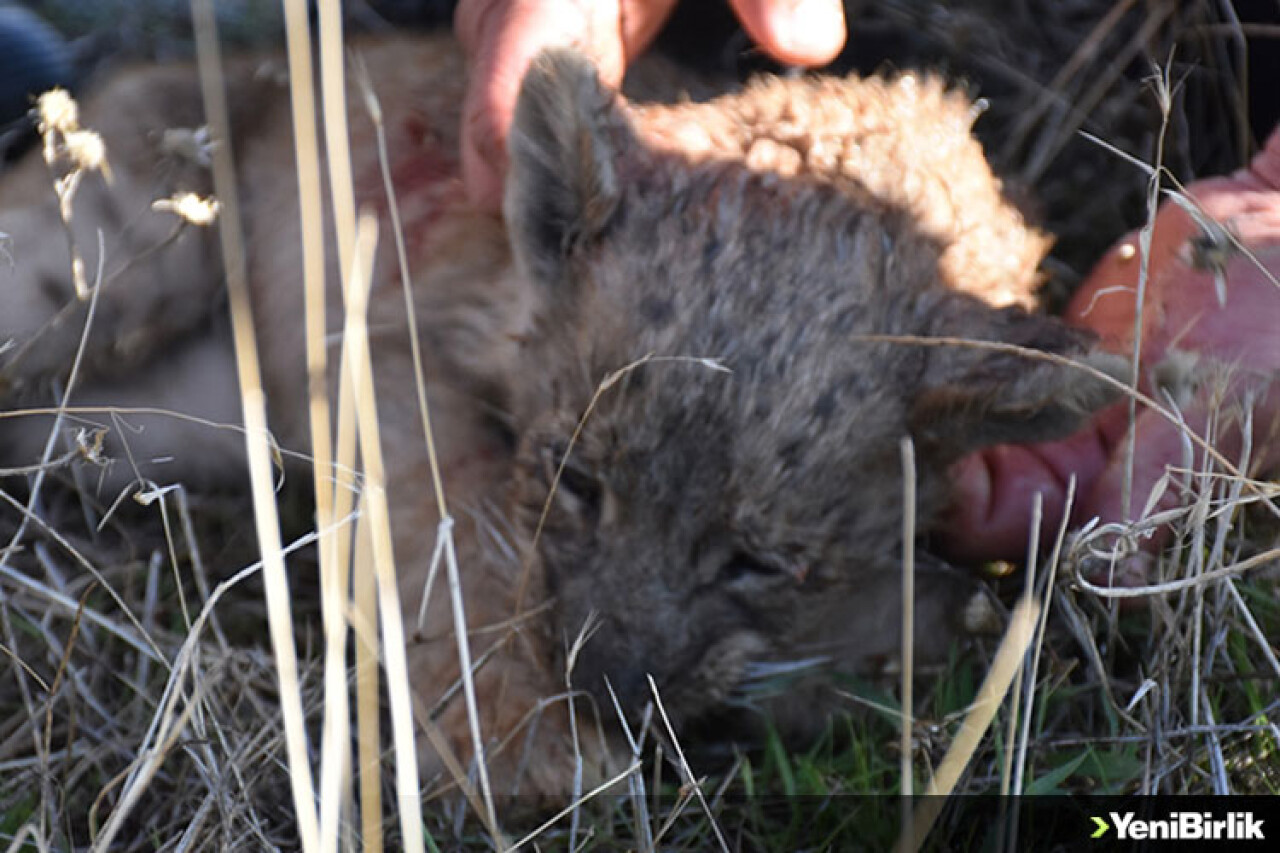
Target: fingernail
[[812, 32]]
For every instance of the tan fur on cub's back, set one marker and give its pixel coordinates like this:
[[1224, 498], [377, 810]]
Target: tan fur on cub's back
[[906, 140]]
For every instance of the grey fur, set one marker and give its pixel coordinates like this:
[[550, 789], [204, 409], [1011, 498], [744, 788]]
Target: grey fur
[[716, 524], [708, 519]]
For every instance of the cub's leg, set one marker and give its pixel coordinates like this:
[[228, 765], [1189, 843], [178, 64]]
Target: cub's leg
[[174, 420], [81, 211], [97, 259]]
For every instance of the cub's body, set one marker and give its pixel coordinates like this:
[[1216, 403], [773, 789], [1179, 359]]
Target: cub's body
[[732, 500]]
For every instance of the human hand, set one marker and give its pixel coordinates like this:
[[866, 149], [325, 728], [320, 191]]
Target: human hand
[[501, 37], [995, 488]]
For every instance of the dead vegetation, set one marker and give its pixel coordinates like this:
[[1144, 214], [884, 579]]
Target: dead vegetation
[[136, 680]]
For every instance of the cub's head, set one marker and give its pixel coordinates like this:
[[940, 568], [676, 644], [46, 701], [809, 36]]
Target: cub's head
[[710, 391]]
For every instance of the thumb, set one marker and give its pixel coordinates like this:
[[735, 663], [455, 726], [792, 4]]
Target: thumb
[[994, 489]]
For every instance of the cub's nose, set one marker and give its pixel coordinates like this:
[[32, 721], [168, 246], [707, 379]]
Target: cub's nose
[[609, 660]]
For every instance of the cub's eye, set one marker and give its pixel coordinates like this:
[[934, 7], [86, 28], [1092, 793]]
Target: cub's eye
[[578, 489], [579, 484], [740, 566]]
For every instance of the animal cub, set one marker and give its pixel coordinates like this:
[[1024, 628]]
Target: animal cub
[[670, 383]]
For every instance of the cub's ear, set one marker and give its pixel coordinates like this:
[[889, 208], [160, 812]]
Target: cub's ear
[[974, 396], [563, 186]]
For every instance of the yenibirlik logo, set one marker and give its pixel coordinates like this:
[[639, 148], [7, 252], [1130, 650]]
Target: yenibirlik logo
[[1181, 826]]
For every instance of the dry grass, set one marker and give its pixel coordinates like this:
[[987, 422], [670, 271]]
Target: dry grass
[[138, 704]]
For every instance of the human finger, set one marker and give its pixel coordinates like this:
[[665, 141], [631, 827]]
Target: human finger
[[994, 490], [801, 32], [501, 38]]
